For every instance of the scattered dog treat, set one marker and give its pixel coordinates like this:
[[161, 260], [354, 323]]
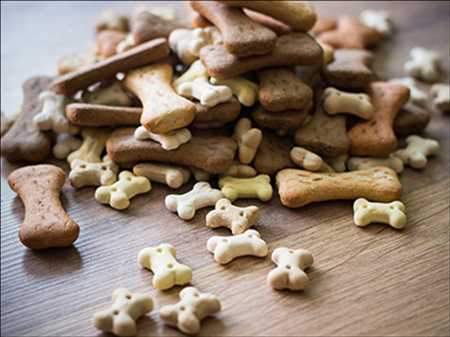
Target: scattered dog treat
[[366, 212], [240, 171], [417, 151], [199, 174], [416, 95], [248, 140], [217, 116], [46, 224], [338, 163], [282, 123], [411, 119], [363, 163], [92, 174], [273, 154], [440, 94], [52, 116], [95, 115], [169, 141], [195, 70], [289, 273], [170, 175], [424, 64], [378, 20], [246, 91], [107, 41], [65, 144], [92, 147], [238, 188], [336, 102], [108, 93], [308, 160], [209, 95]]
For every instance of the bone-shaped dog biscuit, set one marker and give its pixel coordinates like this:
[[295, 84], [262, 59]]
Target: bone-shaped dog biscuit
[[378, 20], [168, 272], [308, 160], [336, 101], [339, 164], [169, 141], [53, 115], [240, 171], [111, 94], [237, 188], [121, 318], [441, 97], [416, 95], [118, 195], [227, 248], [289, 273], [190, 310], [366, 212], [93, 174], [196, 70], [248, 140], [246, 91], [208, 94], [202, 195], [65, 144], [417, 151], [199, 174], [91, 149], [172, 176], [362, 163], [424, 64]]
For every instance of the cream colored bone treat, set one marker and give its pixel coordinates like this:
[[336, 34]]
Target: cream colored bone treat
[[336, 101], [306, 159], [190, 310], [170, 175], [93, 145], [53, 114], [338, 163], [74, 62], [93, 174], [417, 151], [227, 248], [121, 318], [237, 188], [246, 91], [362, 163], [196, 70], [248, 140], [240, 171], [366, 212], [289, 273], [164, 110], [199, 174], [111, 94], [417, 96], [65, 144], [168, 272], [423, 64], [118, 195], [169, 141], [378, 20], [441, 97], [202, 195], [237, 219], [208, 94]]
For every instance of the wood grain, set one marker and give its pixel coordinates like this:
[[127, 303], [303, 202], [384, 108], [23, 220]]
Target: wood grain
[[365, 281]]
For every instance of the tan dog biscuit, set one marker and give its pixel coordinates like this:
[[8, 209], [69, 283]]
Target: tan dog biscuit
[[110, 20], [376, 137], [308, 160], [237, 188], [246, 91], [298, 188], [411, 119], [248, 140], [281, 122], [240, 171], [339, 163], [424, 64], [440, 94], [108, 93], [70, 63], [169, 141], [93, 145], [366, 212], [95, 115], [217, 116], [336, 102], [273, 154], [290, 49], [46, 224], [417, 151], [170, 175], [363, 163], [200, 175], [65, 144], [106, 43], [93, 174], [324, 24]]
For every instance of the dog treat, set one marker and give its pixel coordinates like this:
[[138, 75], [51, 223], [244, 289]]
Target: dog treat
[[199, 174], [324, 24], [93, 174], [328, 52], [237, 219], [240, 171], [24, 141], [289, 273], [242, 188], [6, 121], [241, 35], [338, 163], [169, 141], [248, 140], [170, 175], [92, 147], [65, 144], [110, 20], [46, 224], [168, 272], [378, 20], [195, 70], [202, 195], [298, 188], [53, 116], [246, 91], [350, 69], [164, 110], [273, 154], [366, 212], [280, 89], [336, 102], [440, 94], [376, 137], [95, 115], [211, 153], [190, 310], [363, 163], [118, 195], [107, 41], [143, 54], [417, 151], [227, 248], [424, 64], [417, 96], [208, 94], [111, 93], [290, 49], [217, 116], [307, 159], [411, 119], [70, 63], [121, 318]]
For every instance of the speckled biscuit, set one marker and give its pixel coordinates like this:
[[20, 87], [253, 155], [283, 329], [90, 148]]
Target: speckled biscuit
[[376, 137], [298, 188], [411, 119], [106, 42], [273, 154], [290, 49], [216, 116], [96, 115]]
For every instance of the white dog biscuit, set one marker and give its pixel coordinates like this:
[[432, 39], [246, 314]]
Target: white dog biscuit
[[169, 141], [366, 212], [248, 140], [246, 91], [441, 97], [417, 151], [256, 187], [65, 144], [424, 64], [91, 149], [417, 96], [196, 70], [171, 175], [337, 102], [93, 174], [209, 95], [53, 114], [362, 163], [378, 20]]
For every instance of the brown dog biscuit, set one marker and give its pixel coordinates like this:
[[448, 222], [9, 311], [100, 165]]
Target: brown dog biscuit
[[376, 137], [412, 119], [324, 24], [96, 115], [24, 141], [298, 188], [273, 154], [281, 122], [143, 54], [241, 35], [46, 224], [213, 154], [106, 42], [216, 116], [290, 49], [280, 89], [198, 21]]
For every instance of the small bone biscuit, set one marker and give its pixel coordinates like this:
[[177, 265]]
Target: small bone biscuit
[[111, 93], [107, 41], [324, 24], [208, 94], [298, 188], [202, 195], [65, 144], [289, 273], [440, 94], [218, 116], [52, 116], [417, 151], [339, 163], [417, 96], [237, 188], [248, 140], [378, 20], [121, 318], [196, 70], [246, 91], [164, 110], [92, 147], [412, 119], [199, 174], [74, 62], [227, 248], [336, 101], [95, 115], [242, 36], [118, 195], [93, 174], [172, 176], [424, 64], [168, 272], [306, 159], [362, 163], [46, 223], [366, 212], [169, 141], [110, 20], [273, 154], [240, 171], [190, 310]]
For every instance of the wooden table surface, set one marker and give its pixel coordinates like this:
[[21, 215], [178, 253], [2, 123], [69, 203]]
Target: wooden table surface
[[372, 281]]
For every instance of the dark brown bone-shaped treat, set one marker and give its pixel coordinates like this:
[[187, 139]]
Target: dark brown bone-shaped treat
[[211, 153], [273, 154], [24, 141], [46, 223], [96, 115], [412, 119], [216, 116], [146, 26]]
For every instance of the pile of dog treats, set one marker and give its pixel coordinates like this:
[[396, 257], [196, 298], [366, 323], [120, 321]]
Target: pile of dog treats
[[255, 93]]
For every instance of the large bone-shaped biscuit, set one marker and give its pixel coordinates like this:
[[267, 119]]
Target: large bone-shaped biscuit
[[227, 248], [93, 174], [171, 175], [417, 151], [366, 212], [168, 272], [53, 114], [169, 141], [289, 273], [93, 145], [202, 195], [46, 223], [255, 187]]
